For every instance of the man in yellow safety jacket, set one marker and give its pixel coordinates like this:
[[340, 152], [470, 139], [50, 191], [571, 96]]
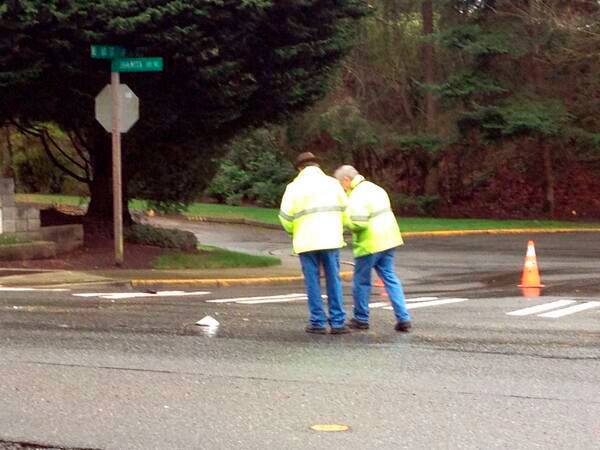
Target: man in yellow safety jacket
[[375, 236], [312, 212]]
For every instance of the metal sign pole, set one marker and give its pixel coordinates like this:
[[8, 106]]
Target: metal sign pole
[[116, 168]]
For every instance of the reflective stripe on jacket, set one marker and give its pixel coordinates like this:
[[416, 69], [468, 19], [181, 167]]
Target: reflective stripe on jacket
[[312, 211], [371, 219]]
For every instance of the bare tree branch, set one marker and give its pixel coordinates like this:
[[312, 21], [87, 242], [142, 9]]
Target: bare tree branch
[[44, 139]]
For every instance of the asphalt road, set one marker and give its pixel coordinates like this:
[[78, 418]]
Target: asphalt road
[[480, 369]]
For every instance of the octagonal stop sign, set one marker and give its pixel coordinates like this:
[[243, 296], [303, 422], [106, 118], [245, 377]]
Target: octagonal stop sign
[[129, 108]]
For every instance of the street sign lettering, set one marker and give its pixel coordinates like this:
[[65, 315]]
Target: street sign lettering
[[137, 65], [107, 51]]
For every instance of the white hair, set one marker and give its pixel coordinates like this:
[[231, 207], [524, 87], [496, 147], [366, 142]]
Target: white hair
[[345, 172]]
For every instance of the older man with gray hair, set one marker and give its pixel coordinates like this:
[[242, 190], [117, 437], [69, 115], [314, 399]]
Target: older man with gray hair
[[375, 236]]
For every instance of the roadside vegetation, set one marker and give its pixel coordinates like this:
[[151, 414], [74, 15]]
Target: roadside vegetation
[[12, 240], [209, 257], [269, 216]]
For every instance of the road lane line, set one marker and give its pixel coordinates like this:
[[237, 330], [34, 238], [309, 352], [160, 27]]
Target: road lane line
[[570, 310], [17, 289], [271, 300], [424, 304], [540, 308], [378, 304], [446, 301], [262, 297], [421, 299], [126, 295]]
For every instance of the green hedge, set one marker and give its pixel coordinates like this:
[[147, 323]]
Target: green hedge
[[161, 237]]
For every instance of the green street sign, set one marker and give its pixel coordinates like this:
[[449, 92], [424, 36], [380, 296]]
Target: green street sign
[[107, 51], [137, 65]]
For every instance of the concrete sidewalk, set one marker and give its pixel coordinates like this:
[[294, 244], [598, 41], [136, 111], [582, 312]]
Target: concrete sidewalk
[[232, 236], [237, 237]]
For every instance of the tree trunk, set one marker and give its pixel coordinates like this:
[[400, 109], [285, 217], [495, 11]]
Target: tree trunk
[[99, 216], [537, 80], [7, 157], [549, 180], [428, 62]]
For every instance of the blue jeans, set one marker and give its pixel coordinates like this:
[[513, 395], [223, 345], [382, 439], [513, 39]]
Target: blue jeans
[[330, 259], [383, 263]]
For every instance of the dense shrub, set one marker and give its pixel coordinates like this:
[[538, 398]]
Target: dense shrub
[[420, 205], [161, 237], [255, 170]]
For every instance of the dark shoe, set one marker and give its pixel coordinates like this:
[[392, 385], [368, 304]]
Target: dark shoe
[[403, 327], [315, 330], [341, 330], [358, 325]]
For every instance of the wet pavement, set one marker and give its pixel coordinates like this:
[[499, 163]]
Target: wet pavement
[[485, 366]]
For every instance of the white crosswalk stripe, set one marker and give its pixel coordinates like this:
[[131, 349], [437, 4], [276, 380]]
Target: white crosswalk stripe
[[271, 300], [570, 310], [126, 295], [27, 289], [378, 304], [425, 304], [282, 297], [540, 308], [421, 299]]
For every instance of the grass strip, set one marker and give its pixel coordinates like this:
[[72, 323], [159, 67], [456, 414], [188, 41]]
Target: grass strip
[[12, 240], [269, 215], [212, 258]]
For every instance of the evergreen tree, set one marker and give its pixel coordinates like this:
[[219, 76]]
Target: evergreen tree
[[229, 64]]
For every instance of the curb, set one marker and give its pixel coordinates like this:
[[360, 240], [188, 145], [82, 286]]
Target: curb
[[234, 221], [226, 282], [498, 231], [231, 221]]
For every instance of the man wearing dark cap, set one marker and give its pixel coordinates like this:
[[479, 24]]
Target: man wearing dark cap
[[312, 212]]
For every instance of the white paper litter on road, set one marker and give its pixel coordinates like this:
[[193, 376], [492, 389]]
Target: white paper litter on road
[[208, 321]]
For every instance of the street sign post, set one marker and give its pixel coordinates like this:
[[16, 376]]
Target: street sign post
[[124, 112]]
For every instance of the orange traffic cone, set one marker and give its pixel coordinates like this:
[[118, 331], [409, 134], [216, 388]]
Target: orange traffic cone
[[531, 275], [379, 284]]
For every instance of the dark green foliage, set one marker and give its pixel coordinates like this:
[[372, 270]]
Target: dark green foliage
[[161, 237], [228, 65], [419, 205], [254, 170], [427, 142], [466, 85], [521, 116]]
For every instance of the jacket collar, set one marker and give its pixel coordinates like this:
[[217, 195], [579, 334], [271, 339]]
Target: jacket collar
[[356, 181], [309, 170]]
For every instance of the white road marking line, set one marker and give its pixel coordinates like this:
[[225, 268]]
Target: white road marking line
[[446, 301], [540, 308], [378, 304], [570, 310], [425, 304], [125, 295], [421, 299], [16, 289], [262, 297], [271, 300]]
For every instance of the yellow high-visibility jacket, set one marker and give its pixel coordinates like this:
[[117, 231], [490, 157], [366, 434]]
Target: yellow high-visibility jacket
[[312, 211], [370, 218]]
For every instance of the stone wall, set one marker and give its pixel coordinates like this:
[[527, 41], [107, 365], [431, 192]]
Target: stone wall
[[13, 218]]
